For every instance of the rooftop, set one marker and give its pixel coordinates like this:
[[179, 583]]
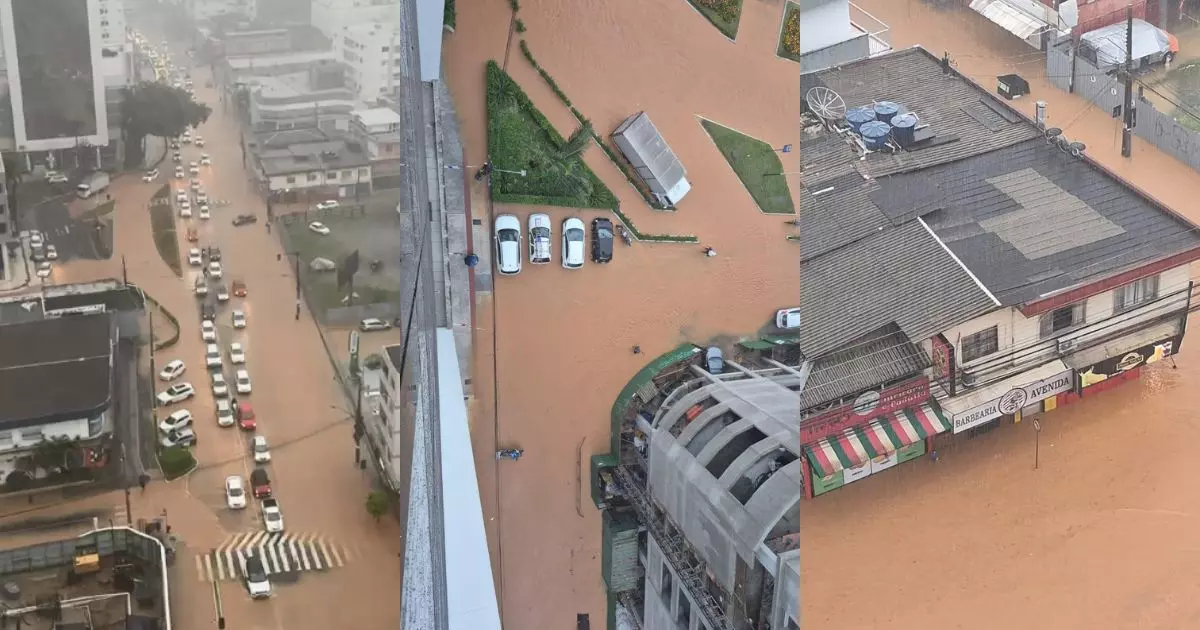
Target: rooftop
[[55, 369], [376, 116], [262, 61], [984, 214]]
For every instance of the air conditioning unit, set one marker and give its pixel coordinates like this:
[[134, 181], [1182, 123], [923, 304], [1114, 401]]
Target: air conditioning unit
[[1067, 346]]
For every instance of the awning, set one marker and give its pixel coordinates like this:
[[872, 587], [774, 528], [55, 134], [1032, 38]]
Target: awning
[[884, 435], [1022, 18], [1142, 338], [756, 344]]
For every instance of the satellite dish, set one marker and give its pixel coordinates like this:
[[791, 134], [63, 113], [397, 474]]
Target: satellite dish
[[826, 103]]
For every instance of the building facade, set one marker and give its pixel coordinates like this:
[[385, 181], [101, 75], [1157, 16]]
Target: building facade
[[371, 53], [309, 164], [331, 16], [833, 32], [378, 131]]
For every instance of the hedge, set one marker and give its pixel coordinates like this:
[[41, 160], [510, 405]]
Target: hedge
[[176, 462], [449, 17]]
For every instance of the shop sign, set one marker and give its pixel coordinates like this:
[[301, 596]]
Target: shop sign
[[861, 471], [868, 405], [943, 362], [1113, 366], [883, 462], [821, 485], [1012, 401]]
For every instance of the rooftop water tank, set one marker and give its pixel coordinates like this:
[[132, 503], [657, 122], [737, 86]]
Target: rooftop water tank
[[902, 128], [885, 110], [858, 116], [875, 134]]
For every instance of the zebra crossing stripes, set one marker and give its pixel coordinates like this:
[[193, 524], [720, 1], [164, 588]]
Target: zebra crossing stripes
[[285, 552]]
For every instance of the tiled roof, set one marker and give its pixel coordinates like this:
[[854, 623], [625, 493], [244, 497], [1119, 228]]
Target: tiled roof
[[879, 357]]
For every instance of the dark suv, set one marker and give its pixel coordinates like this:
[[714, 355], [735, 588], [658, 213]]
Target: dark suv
[[602, 240]]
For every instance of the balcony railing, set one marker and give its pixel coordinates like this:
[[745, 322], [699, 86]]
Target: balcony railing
[[876, 29]]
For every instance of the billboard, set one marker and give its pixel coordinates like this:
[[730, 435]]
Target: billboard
[[52, 55]]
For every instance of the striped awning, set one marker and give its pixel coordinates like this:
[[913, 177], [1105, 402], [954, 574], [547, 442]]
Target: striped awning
[[884, 435]]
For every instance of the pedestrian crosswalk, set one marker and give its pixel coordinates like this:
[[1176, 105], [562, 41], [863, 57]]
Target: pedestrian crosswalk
[[285, 552]]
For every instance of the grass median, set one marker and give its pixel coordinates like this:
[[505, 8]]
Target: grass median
[[162, 227], [758, 166]]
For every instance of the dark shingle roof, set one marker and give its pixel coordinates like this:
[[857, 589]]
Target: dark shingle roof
[[902, 275], [54, 368]]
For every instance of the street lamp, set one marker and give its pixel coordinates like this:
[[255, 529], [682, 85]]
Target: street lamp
[[784, 173]]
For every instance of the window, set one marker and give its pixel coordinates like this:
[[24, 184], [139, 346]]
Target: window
[[980, 344], [291, 179], [685, 612], [1061, 319], [384, 49], [312, 177], [667, 585], [347, 174], [6, 438], [32, 435], [1134, 293], [331, 175], [363, 172]]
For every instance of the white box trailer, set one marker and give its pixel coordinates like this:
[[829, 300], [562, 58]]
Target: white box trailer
[[653, 160]]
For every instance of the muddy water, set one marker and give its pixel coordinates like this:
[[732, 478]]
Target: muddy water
[[563, 338]]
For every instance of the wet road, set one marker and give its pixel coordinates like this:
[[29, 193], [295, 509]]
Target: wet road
[[563, 338], [298, 405]]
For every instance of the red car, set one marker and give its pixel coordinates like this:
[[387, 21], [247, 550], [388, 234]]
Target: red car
[[239, 288], [245, 416]]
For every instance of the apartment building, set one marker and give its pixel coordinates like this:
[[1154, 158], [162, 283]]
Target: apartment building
[[310, 164], [833, 32], [371, 54], [378, 131], [331, 16]]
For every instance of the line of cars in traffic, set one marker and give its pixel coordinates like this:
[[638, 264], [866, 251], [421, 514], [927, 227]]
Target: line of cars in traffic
[[540, 234]]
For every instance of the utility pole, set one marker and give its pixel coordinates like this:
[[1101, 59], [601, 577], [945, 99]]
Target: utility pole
[[125, 473], [1127, 128], [359, 427], [153, 373], [124, 272]]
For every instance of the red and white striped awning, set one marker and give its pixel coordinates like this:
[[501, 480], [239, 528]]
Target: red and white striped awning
[[884, 435]]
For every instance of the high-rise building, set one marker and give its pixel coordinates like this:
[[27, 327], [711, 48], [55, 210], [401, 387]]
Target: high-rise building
[[371, 53], [330, 16]]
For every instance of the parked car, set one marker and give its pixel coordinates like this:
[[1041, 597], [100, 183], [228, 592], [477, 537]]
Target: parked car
[[178, 172], [714, 360], [602, 240], [195, 258], [176, 421], [172, 370], [44, 269], [195, 185], [321, 265], [327, 205], [242, 379], [185, 209], [214, 270], [224, 413], [256, 578], [272, 515], [177, 157], [220, 388], [239, 319], [205, 160], [245, 415], [36, 239], [244, 219], [371, 324], [204, 214], [57, 178], [222, 293], [176, 393], [181, 196], [150, 175], [212, 355], [319, 228], [183, 437], [214, 253], [239, 288], [235, 492], [201, 287], [51, 252], [573, 236], [262, 452], [208, 330], [508, 244], [260, 483], [208, 312], [198, 141], [540, 239], [787, 318]]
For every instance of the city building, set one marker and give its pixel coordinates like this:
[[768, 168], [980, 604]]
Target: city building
[[371, 53], [958, 273], [256, 42], [8, 227], [331, 16], [656, 164], [240, 69], [289, 102], [378, 131], [834, 32], [57, 383], [309, 164]]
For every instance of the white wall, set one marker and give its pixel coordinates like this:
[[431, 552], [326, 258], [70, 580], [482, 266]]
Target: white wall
[[15, 443], [825, 25], [317, 179], [330, 16], [371, 68], [112, 24]]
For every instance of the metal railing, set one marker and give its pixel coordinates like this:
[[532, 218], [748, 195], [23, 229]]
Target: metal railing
[[877, 30]]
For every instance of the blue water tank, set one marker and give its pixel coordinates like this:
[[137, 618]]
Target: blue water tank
[[885, 110], [875, 134], [902, 128], [859, 116]]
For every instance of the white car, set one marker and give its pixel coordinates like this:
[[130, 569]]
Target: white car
[[176, 393], [56, 178], [172, 370], [239, 319], [186, 138], [182, 437], [319, 228], [202, 198], [204, 214], [181, 196], [574, 237], [51, 252], [214, 270], [198, 141], [43, 269], [177, 158], [208, 331], [178, 172], [212, 356], [176, 421], [193, 170], [185, 209], [235, 492], [243, 382], [195, 258], [36, 239], [256, 578], [222, 293], [508, 244], [262, 453], [272, 515], [540, 239], [787, 318], [201, 287], [150, 175], [219, 386], [327, 205], [372, 324], [237, 354], [225, 413], [195, 185], [205, 160]]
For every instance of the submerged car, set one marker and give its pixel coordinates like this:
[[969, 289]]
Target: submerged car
[[573, 236], [508, 244], [540, 239], [602, 240]]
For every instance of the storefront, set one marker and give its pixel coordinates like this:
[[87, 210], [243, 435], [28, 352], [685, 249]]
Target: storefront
[[1020, 394], [879, 429], [1098, 372]]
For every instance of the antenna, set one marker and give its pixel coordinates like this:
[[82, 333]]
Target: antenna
[[826, 103]]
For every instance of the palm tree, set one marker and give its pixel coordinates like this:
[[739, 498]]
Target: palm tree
[[577, 143]]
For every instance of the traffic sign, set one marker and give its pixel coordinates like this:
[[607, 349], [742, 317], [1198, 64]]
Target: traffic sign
[[1037, 426]]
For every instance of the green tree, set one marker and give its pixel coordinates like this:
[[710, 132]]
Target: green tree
[[576, 143], [14, 169], [53, 452], [377, 504], [157, 109]]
